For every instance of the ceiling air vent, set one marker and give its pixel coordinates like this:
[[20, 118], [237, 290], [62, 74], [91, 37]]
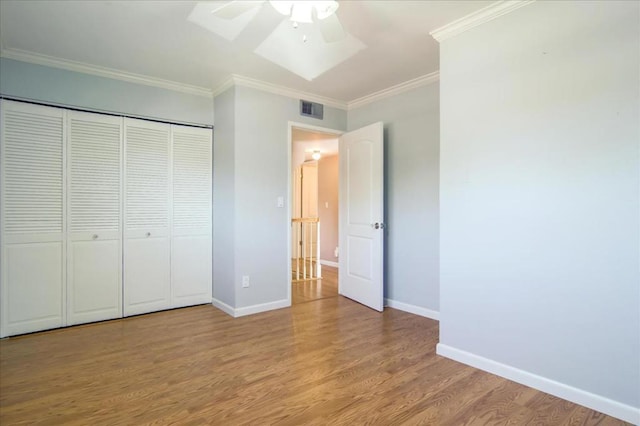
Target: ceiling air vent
[[311, 109]]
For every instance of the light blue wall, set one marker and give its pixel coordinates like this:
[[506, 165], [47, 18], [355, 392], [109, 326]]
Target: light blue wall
[[260, 175], [224, 199], [412, 135], [540, 196], [67, 88]]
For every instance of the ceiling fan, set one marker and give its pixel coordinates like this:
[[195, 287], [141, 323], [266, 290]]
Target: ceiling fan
[[317, 12]]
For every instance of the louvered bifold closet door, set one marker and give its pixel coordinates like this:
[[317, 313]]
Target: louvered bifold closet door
[[146, 234], [94, 153], [191, 224], [32, 218]]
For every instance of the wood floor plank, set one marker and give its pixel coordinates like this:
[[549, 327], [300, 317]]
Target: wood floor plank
[[308, 291], [582, 416], [331, 361]]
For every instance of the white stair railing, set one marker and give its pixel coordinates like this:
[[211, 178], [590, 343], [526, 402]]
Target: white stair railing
[[306, 248]]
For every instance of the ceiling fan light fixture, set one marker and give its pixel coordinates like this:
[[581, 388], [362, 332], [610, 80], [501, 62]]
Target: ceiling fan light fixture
[[283, 7], [302, 10], [326, 8]]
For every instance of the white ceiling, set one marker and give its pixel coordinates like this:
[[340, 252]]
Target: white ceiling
[[157, 39]]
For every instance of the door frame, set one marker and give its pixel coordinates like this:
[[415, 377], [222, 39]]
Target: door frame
[[290, 126]]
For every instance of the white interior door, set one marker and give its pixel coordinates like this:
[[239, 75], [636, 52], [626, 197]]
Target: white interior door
[[191, 225], [305, 205], [146, 223], [361, 216], [310, 210], [94, 255], [309, 189], [32, 271]]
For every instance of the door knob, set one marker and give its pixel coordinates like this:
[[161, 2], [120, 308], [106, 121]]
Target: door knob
[[148, 234], [95, 236]]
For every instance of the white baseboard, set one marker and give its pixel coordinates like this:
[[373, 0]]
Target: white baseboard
[[570, 393], [223, 307], [263, 307], [250, 310], [329, 263], [412, 309]]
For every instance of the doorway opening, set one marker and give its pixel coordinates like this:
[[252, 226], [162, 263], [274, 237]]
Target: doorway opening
[[314, 186]]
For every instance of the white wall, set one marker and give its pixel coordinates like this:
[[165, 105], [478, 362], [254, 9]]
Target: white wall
[[73, 89], [224, 199], [260, 175], [411, 131], [540, 216]]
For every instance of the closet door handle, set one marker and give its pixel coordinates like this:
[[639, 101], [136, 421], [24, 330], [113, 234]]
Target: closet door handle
[[148, 234], [95, 236]]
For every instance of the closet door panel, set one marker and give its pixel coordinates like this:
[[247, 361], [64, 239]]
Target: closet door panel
[[95, 269], [94, 253], [147, 262], [191, 226], [147, 286], [34, 287], [32, 220], [191, 277]]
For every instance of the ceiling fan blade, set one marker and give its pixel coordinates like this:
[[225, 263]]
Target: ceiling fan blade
[[331, 29], [234, 8]]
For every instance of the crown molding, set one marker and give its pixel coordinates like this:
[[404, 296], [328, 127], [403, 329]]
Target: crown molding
[[239, 80], [395, 90], [228, 83], [479, 17], [49, 61], [233, 80]]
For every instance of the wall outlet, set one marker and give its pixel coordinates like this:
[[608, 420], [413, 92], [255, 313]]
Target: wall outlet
[[245, 281]]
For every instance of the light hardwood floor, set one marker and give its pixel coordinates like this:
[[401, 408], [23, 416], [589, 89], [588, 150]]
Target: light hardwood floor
[[308, 291], [331, 361]]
